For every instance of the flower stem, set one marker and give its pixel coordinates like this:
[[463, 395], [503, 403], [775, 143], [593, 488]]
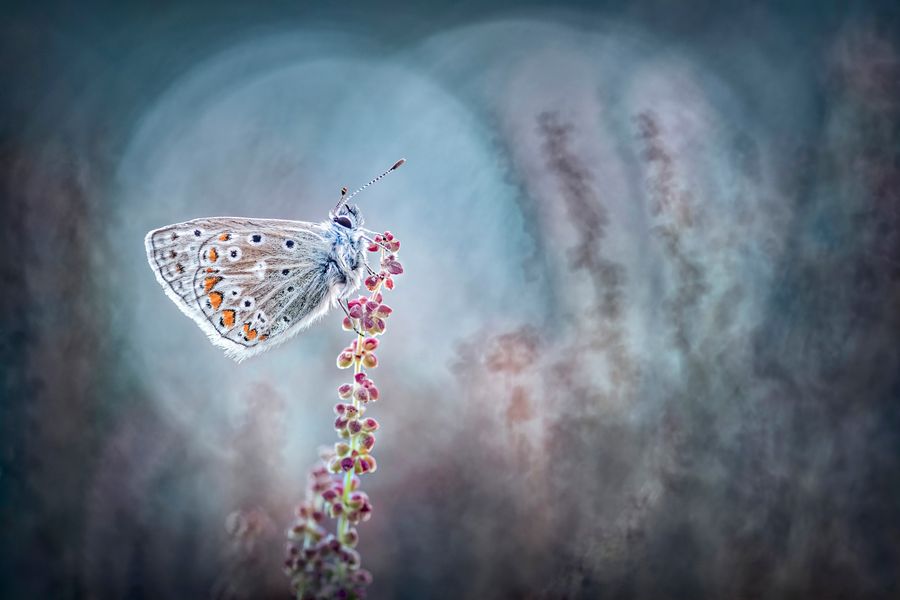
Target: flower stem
[[343, 522]]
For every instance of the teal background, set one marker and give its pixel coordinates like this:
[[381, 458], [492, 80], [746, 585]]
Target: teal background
[[646, 344]]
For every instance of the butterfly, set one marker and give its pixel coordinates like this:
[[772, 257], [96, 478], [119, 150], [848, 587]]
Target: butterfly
[[252, 284]]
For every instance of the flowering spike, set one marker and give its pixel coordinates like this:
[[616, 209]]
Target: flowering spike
[[320, 563]]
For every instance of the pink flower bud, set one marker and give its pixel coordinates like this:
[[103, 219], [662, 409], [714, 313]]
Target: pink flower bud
[[371, 305], [354, 427], [350, 537], [361, 394], [369, 424], [378, 298], [346, 324], [372, 283], [335, 465], [335, 510], [342, 449], [384, 310], [345, 391], [351, 557], [340, 423], [360, 377], [379, 238], [361, 577], [389, 283], [329, 495], [378, 325], [371, 460], [369, 344], [373, 248], [346, 464], [390, 264], [344, 360], [370, 362], [373, 393], [340, 409], [356, 311], [368, 441]]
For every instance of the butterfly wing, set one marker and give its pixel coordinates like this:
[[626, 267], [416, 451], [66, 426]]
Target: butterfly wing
[[249, 284]]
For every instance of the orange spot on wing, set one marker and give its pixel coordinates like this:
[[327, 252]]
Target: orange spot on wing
[[210, 282], [264, 337], [227, 319], [224, 237], [213, 255], [249, 334], [179, 267], [215, 300]]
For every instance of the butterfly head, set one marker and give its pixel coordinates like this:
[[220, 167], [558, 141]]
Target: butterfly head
[[347, 216]]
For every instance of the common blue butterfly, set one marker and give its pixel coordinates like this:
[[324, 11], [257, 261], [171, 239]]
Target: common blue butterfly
[[251, 284]]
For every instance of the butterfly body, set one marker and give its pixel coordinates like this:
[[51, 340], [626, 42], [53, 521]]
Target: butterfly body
[[251, 284]]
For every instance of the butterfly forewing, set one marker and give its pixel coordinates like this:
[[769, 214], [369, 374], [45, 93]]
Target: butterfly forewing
[[248, 283]]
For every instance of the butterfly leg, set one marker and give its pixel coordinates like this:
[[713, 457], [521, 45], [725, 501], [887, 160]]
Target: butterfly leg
[[368, 239], [352, 320]]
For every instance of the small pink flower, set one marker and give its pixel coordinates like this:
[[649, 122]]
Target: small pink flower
[[384, 241], [370, 313], [390, 264], [373, 282], [370, 392], [367, 441], [345, 358]]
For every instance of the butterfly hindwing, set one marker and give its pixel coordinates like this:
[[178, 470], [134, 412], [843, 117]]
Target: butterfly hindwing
[[248, 283]]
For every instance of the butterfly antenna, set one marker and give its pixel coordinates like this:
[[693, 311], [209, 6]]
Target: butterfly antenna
[[345, 197]]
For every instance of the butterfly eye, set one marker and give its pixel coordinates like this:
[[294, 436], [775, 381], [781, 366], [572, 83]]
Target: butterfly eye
[[289, 244], [343, 222]]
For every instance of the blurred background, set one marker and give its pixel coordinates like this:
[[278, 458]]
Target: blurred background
[[646, 344]]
